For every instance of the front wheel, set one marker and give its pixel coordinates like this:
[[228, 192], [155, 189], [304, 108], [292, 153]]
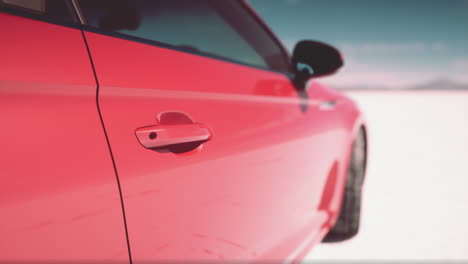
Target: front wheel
[[347, 225]]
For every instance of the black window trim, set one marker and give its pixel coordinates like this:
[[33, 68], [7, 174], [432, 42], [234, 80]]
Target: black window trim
[[289, 74], [26, 13], [172, 47], [77, 15], [270, 33]]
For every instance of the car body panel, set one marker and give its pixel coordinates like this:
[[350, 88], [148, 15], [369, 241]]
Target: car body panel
[[59, 199], [266, 186], [254, 191]]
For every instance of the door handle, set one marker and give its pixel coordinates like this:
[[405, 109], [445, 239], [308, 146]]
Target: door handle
[[160, 136]]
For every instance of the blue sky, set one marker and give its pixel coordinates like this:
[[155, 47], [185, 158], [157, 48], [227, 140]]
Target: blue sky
[[394, 43]]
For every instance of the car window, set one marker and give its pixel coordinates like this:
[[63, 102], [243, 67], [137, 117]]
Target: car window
[[220, 28], [60, 10]]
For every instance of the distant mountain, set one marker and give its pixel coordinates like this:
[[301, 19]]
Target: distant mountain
[[361, 87], [440, 84]]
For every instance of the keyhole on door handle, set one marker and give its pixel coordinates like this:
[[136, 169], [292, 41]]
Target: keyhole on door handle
[[153, 135]]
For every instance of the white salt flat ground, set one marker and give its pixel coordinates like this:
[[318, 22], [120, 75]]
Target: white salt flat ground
[[415, 203]]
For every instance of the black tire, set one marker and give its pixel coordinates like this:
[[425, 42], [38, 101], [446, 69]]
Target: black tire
[[347, 225]]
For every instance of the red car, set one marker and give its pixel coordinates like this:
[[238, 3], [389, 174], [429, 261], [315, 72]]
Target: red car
[[169, 131]]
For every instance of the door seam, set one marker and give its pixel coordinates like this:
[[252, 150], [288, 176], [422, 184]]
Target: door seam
[[108, 145]]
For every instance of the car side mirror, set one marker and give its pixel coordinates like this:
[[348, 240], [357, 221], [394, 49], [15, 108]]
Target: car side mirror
[[314, 59]]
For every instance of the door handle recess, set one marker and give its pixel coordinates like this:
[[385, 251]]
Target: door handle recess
[[159, 136]]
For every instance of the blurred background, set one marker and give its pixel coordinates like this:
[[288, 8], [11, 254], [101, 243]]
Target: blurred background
[[406, 64]]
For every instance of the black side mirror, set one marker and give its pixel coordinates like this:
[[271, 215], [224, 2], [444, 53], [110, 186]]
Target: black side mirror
[[314, 59]]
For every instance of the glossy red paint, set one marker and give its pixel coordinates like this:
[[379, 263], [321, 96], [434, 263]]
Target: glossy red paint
[[255, 191], [262, 180], [59, 199]]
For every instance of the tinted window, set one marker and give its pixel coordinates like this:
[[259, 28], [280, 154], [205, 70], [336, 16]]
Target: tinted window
[[55, 9], [221, 28]]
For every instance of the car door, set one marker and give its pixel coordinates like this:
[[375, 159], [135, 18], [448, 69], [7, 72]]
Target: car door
[[218, 154], [59, 198]]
